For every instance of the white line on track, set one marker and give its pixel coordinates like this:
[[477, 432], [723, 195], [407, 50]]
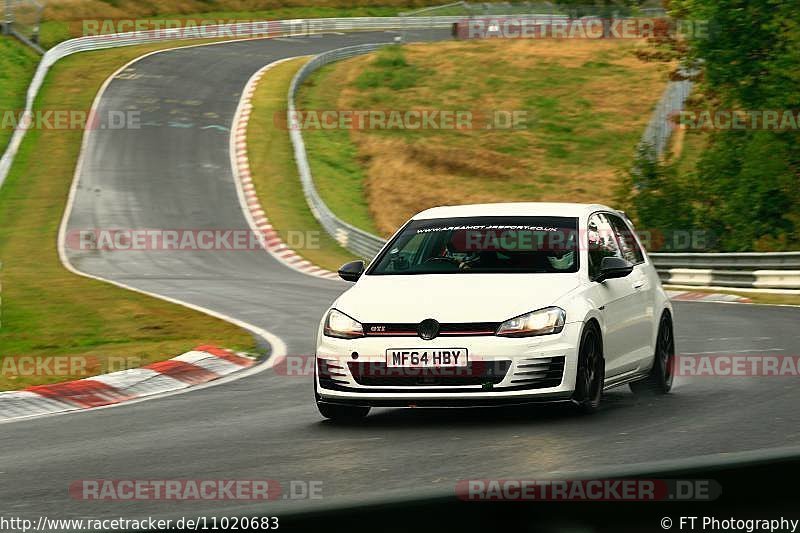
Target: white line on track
[[277, 345]]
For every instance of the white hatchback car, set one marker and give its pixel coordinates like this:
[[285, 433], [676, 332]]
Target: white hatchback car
[[497, 304]]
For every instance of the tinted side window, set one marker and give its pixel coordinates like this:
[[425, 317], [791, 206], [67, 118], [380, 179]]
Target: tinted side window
[[601, 241], [627, 240]]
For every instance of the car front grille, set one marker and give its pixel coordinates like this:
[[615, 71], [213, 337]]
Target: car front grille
[[529, 373], [539, 372], [331, 373], [475, 373]]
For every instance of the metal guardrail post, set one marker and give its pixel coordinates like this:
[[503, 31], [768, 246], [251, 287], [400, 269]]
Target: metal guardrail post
[[12, 26], [37, 27], [8, 17]]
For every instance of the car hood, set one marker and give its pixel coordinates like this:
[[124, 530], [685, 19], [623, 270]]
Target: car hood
[[452, 298]]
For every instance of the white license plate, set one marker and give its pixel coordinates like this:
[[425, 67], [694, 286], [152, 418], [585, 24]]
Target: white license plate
[[426, 357]]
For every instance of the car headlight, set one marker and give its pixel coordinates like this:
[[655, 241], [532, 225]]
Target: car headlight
[[542, 322], [341, 326]]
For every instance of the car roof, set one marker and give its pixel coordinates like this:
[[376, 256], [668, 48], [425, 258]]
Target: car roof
[[543, 209]]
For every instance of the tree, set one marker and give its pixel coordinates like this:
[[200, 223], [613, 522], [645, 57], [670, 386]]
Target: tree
[[749, 180]]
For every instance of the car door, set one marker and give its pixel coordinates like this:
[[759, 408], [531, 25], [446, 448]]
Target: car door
[[618, 299], [644, 292]]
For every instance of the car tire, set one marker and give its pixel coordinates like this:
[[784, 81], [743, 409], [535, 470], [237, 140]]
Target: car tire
[[659, 380], [342, 413], [590, 376]]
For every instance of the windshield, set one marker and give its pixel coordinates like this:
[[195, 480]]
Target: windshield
[[475, 245]]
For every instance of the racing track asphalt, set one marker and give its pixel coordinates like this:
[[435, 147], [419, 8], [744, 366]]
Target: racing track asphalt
[[175, 173]]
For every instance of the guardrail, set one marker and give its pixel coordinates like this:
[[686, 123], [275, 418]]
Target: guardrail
[[356, 240], [730, 261], [659, 128], [752, 270]]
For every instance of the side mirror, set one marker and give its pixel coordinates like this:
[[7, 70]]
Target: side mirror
[[613, 267], [352, 271]]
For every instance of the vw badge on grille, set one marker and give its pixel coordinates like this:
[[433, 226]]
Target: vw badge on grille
[[428, 329]]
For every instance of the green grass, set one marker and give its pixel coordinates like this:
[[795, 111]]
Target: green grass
[[584, 105], [17, 65], [46, 310], [391, 72], [333, 157], [693, 144], [275, 174]]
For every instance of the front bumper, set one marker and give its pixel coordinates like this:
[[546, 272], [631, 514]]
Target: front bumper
[[502, 371]]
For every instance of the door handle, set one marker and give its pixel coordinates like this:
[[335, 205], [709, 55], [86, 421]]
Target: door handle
[[638, 284]]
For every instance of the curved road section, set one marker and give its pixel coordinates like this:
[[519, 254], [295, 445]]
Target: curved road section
[[175, 173]]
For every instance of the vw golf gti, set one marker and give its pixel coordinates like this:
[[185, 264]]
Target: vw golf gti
[[497, 304]]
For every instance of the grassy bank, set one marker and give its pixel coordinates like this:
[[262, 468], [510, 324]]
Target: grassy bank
[[46, 310], [17, 65], [687, 147], [275, 174], [584, 103]]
